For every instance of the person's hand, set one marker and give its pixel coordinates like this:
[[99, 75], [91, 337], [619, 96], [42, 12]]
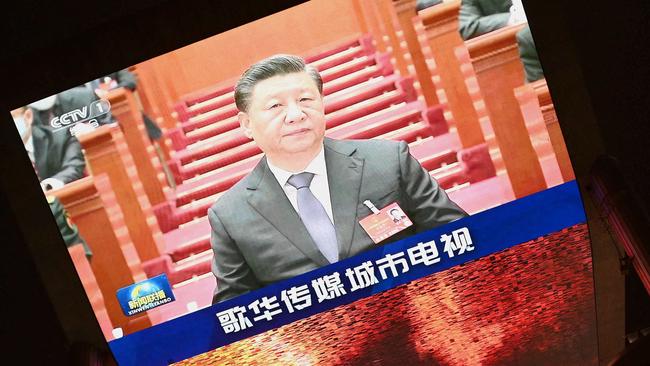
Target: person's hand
[[81, 128], [51, 183]]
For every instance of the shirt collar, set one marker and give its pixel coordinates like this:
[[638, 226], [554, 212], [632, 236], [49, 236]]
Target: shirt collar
[[316, 166]]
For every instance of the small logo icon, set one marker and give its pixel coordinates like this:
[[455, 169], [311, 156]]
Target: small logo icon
[[145, 295], [86, 114]]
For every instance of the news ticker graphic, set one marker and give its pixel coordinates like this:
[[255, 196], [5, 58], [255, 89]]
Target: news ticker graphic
[[145, 295], [476, 236], [331, 286]]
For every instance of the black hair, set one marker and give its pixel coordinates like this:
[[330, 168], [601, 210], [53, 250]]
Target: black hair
[[268, 68]]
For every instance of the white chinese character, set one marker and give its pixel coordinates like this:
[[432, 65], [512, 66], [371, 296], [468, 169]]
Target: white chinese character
[[459, 240], [391, 261], [233, 320], [362, 276], [268, 304], [328, 287], [426, 253], [297, 297]]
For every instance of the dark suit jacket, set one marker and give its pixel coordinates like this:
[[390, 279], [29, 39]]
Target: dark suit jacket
[[67, 228], [528, 54], [258, 237], [478, 17], [57, 154], [125, 79]]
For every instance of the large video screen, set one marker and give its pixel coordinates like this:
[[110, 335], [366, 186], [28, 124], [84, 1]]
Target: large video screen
[[343, 182]]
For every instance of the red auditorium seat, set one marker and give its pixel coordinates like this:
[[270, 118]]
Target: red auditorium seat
[[191, 239], [449, 176], [220, 160], [362, 46], [203, 96], [181, 270], [182, 108], [213, 183], [211, 104], [409, 134], [346, 68], [381, 67], [365, 108], [212, 130], [209, 117], [212, 145], [380, 122], [338, 47], [186, 111], [371, 88], [439, 143]]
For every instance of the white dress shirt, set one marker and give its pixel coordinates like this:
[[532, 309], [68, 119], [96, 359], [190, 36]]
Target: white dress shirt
[[319, 185]]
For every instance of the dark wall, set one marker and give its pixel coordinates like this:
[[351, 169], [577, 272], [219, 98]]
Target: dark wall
[[609, 42], [28, 328]]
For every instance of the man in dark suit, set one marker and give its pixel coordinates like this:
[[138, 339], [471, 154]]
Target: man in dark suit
[[123, 79], [57, 160], [56, 154], [69, 231], [528, 54], [299, 209], [478, 17]]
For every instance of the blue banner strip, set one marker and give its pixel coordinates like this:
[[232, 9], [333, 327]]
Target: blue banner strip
[[491, 231]]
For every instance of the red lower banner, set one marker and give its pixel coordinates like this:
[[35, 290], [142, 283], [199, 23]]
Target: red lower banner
[[530, 304]]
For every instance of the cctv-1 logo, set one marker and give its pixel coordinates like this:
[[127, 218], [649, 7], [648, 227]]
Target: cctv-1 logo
[[86, 114]]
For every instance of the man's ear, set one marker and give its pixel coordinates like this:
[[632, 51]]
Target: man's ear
[[245, 123]]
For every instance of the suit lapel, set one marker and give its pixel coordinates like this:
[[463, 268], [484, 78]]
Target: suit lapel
[[344, 173], [267, 197]]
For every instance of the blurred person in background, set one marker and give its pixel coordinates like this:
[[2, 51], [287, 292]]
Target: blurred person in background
[[55, 154], [478, 17]]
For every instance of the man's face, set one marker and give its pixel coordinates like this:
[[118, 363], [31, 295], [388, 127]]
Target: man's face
[[285, 116], [23, 118]]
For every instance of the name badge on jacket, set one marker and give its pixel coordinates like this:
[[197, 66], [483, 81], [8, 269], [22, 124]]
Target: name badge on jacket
[[384, 223]]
